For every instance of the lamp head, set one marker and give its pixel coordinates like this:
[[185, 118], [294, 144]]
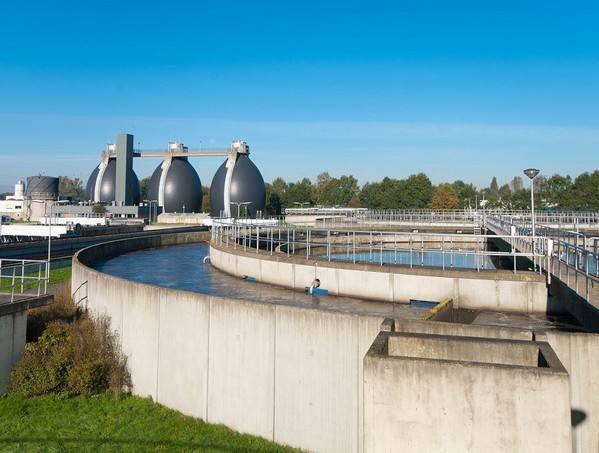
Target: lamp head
[[531, 172]]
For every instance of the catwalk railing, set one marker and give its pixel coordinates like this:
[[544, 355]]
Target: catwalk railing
[[330, 217], [573, 257], [23, 278], [445, 251]]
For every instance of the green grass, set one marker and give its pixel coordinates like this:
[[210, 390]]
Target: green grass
[[104, 424], [60, 275]]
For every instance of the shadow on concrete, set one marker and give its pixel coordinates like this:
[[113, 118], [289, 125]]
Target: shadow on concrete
[[577, 417]]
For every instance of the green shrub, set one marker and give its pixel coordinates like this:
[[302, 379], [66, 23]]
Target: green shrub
[[78, 358], [63, 309]]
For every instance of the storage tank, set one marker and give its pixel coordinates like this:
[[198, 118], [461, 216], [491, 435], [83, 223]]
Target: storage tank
[[176, 186], [238, 186], [19, 189], [42, 188], [101, 184]]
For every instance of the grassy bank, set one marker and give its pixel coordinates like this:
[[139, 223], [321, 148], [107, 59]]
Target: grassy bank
[[60, 275], [103, 423]]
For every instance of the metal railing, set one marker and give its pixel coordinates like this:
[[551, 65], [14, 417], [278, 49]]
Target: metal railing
[[336, 216], [574, 258], [23, 277], [445, 251]]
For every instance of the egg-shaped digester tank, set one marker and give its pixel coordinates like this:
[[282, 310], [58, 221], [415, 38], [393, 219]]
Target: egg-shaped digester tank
[[101, 185], [237, 189], [176, 186]]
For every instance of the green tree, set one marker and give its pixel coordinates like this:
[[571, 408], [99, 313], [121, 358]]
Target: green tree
[[554, 190], [521, 199], [370, 194], [493, 188], [298, 193], [319, 189], [466, 194], [205, 199], [273, 201], [331, 191], [68, 187], [505, 196], [516, 184], [584, 192], [144, 184], [417, 192], [99, 209]]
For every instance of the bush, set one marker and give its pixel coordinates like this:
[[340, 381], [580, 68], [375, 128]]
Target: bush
[[78, 358], [63, 309]]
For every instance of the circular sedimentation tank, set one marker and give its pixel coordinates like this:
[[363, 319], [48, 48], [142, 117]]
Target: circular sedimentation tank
[[176, 186], [237, 188], [101, 185]]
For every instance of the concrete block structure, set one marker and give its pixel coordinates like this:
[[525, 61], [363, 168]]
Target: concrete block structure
[[427, 393]]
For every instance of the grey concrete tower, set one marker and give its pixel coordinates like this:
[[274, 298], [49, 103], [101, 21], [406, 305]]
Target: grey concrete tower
[[124, 189]]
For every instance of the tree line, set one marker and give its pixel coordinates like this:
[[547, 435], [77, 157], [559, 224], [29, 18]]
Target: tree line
[[418, 192], [414, 192]]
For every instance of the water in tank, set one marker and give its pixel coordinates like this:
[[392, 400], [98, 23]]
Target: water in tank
[[176, 186], [237, 189]]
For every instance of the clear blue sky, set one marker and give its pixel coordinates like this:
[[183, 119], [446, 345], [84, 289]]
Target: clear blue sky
[[459, 90]]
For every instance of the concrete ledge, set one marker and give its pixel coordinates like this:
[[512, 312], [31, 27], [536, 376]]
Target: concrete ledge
[[473, 350], [26, 304], [461, 330], [496, 290]]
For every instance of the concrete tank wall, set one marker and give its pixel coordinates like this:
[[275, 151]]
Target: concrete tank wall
[[579, 353], [524, 292], [289, 374]]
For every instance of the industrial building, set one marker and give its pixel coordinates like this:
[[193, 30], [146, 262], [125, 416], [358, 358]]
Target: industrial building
[[175, 187]]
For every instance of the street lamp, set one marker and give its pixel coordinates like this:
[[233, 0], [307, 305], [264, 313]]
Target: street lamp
[[531, 173]]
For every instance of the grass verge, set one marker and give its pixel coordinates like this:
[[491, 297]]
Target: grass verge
[[104, 424], [59, 275]]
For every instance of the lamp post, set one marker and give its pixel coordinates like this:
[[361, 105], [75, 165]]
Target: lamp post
[[531, 173]]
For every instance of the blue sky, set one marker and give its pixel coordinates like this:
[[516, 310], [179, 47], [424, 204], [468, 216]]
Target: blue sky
[[457, 90]]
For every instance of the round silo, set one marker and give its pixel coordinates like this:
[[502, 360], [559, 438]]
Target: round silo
[[42, 188], [176, 186], [19, 189], [237, 189]]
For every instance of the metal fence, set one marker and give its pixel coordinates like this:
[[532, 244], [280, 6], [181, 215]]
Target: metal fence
[[23, 278], [445, 251]]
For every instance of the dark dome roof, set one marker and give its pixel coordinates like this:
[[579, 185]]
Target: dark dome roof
[[247, 185], [182, 187], [108, 184]]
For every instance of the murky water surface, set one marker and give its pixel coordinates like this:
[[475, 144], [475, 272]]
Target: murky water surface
[[180, 267]]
